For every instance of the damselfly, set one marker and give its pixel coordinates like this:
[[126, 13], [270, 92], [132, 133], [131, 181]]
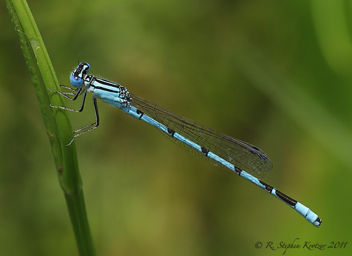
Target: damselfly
[[240, 157]]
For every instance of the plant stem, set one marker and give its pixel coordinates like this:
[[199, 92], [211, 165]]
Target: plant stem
[[56, 120]]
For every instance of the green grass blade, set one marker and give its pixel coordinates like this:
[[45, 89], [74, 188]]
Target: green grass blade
[[56, 120]]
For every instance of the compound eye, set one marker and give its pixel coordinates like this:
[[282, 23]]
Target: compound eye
[[85, 67], [76, 81]]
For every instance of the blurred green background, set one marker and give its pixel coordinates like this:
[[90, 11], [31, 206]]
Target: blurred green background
[[274, 73]]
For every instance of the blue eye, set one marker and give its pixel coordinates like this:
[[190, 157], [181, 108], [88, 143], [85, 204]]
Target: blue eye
[[76, 81], [86, 67], [83, 67]]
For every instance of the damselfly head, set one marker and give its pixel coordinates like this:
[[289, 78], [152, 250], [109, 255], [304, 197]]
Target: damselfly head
[[78, 75]]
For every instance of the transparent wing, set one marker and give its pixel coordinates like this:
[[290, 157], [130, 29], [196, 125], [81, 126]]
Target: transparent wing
[[239, 153]]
